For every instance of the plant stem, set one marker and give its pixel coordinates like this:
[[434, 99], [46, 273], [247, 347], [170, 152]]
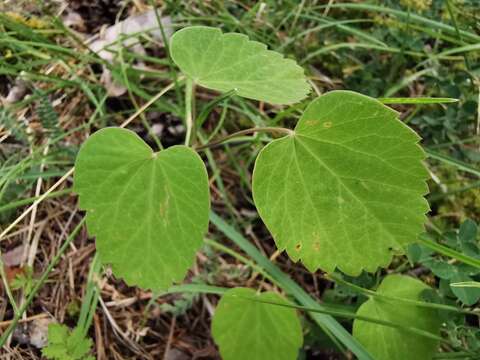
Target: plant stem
[[350, 315], [371, 293], [208, 289], [188, 110], [40, 282], [446, 251], [245, 132]]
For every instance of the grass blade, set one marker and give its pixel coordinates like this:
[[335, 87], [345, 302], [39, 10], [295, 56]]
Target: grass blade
[[428, 23], [417, 101], [451, 161], [467, 284], [446, 251]]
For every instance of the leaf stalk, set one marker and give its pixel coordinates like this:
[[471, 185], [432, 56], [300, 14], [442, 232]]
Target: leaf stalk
[[189, 99], [280, 130]]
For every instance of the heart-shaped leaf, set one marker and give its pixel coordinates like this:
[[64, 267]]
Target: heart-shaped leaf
[[225, 62], [389, 343], [247, 329], [346, 188], [148, 211]]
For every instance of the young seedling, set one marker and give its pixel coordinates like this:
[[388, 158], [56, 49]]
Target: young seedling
[[66, 344]]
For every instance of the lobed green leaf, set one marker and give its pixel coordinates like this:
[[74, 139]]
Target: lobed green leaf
[[148, 211], [346, 188], [231, 61]]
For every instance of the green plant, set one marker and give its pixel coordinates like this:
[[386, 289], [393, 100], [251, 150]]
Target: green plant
[[464, 241], [47, 115], [73, 344], [66, 344], [344, 190]]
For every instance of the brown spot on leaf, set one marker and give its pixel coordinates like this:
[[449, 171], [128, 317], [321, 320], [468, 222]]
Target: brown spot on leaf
[[298, 247], [327, 124]]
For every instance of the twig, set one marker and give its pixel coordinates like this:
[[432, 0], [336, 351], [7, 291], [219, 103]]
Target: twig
[[34, 317], [170, 338]]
